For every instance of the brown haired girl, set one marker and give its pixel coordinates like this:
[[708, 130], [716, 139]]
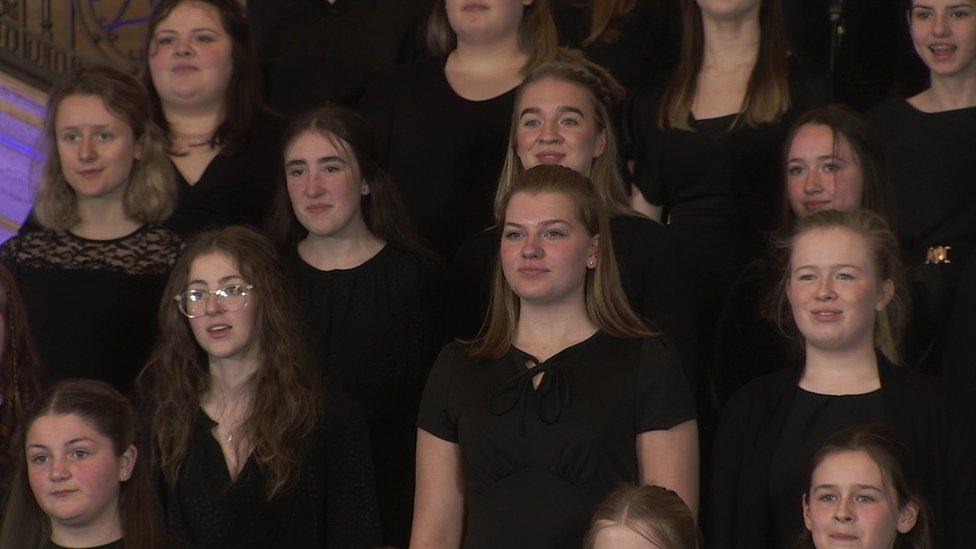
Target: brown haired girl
[[564, 396], [368, 291], [441, 122], [79, 480], [92, 265], [842, 297], [239, 427], [204, 80], [643, 517]]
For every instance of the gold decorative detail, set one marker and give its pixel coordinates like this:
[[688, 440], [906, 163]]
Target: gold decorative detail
[[937, 255]]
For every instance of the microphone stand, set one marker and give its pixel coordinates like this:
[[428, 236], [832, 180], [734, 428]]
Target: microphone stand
[[837, 29]]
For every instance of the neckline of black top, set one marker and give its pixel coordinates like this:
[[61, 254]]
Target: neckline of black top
[[362, 267], [905, 104], [141, 229], [803, 391], [562, 356], [447, 83]]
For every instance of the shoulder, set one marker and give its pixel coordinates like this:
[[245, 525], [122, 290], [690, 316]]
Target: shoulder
[[894, 109], [758, 393], [412, 263], [638, 226]]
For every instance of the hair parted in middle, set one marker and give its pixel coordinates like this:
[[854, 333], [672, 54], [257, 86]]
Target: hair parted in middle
[[285, 391], [606, 304], [767, 94], [150, 194], [382, 209], [657, 514], [604, 94], [866, 144], [537, 35], [890, 322], [95, 402]]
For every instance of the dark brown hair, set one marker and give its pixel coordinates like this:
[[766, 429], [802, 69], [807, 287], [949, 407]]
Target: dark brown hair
[[768, 91], [286, 394], [382, 209], [606, 305], [150, 193], [890, 323], [21, 376], [604, 13], [243, 97], [892, 458], [867, 147], [657, 514], [537, 36], [109, 413]]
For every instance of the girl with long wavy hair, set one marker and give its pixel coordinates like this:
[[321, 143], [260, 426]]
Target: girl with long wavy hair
[[238, 422], [441, 121], [565, 395], [79, 479]]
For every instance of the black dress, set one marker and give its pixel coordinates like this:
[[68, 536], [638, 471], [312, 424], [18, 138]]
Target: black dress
[[208, 509], [348, 43], [931, 166], [647, 42], [445, 153], [650, 273], [537, 462], [91, 304], [931, 420], [237, 186], [377, 329]]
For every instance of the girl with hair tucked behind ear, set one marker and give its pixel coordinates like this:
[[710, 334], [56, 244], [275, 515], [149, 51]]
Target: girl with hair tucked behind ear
[[841, 297], [79, 480], [97, 250], [565, 395]]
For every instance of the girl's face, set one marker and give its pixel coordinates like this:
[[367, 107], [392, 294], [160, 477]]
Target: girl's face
[[191, 56], [558, 125], [545, 248], [75, 471], [324, 185], [850, 505], [835, 290], [95, 147], [944, 34], [485, 20], [822, 173], [226, 330]]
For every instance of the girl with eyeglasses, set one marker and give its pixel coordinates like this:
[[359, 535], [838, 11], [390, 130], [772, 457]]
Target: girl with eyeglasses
[[93, 263], [238, 421]]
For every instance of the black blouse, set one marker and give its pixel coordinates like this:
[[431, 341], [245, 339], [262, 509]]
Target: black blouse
[[91, 304], [445, 152], [537, 462]]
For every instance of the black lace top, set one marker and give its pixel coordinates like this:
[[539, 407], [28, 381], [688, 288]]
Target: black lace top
[[91, 304]]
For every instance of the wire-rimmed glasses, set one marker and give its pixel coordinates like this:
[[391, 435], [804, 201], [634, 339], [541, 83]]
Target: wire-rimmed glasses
[[231, 298]]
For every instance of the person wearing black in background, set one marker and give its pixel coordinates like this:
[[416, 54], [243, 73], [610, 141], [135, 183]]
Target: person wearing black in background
[[318, 51], [205, 83], [442, 123], [929, 139], [370, 294]]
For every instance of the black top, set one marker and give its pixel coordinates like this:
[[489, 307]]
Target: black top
[[931, 166], [747, 344], [91, 304], [646, 47], [813, 418], [650, 273], [959, 362], [929, 419], [347, 43], [237, 186], [537, 462], [377, 329], [208, 509], [445, 153]]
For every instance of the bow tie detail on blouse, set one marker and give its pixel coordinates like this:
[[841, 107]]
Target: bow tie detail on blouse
[[553, 393]]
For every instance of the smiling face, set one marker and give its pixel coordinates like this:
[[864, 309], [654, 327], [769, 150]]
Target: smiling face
[[834, 289], [944, 35], [485, 20], [75, 472], [821, 172], [850, 505], [223, 334], [190, 57], [96, 148], [324, 185], [558, 125], [545, 249]]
